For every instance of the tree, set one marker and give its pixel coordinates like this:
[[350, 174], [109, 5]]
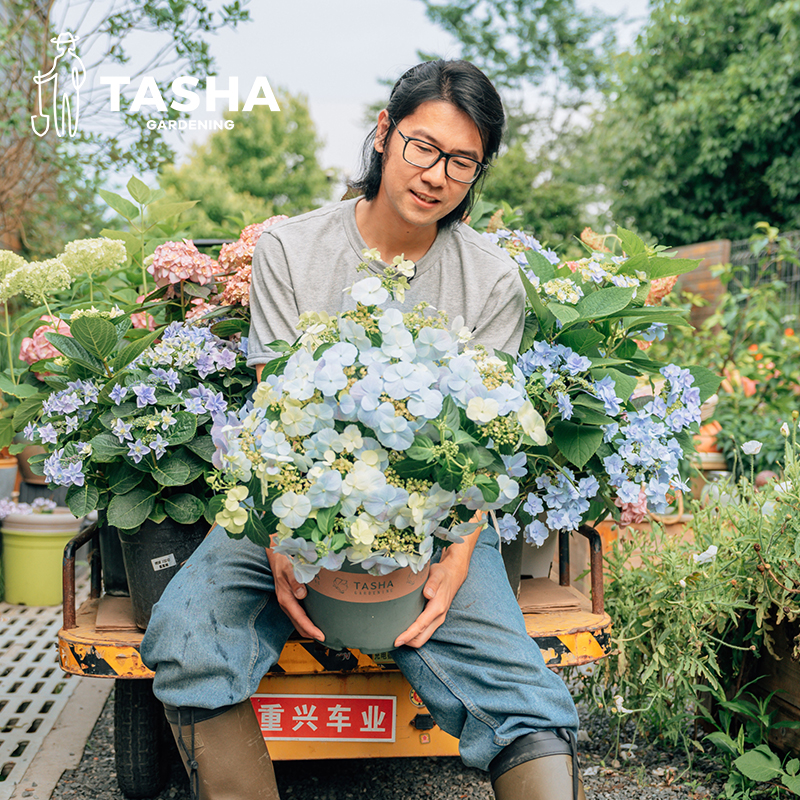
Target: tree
[[266, 164], [47, 183], [549, 201], [560, 52], [701, 135]]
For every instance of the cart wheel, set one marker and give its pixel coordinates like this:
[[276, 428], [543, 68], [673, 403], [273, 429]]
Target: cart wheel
[[142, 750]]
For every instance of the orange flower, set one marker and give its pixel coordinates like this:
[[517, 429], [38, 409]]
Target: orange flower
[[759, 356], [753, 348], [789, 332]]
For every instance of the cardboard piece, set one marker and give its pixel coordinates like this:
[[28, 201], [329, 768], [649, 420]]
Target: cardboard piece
[[543, 596], [115, 614]]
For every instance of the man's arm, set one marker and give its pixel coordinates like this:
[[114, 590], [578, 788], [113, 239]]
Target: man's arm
[[444, 582]]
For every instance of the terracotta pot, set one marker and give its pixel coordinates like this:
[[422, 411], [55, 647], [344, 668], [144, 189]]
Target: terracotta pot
[[24, 466]]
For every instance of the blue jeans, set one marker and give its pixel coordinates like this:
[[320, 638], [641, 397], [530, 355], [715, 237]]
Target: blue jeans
[[218, 629]]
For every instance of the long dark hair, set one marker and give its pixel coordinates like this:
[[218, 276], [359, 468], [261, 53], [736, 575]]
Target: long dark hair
[[456, 82]]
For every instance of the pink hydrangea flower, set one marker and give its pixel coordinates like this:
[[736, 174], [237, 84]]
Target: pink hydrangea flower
[[174, 262], [142, 319], [35, 348], [236, 257], [633, 513], [199, 308]]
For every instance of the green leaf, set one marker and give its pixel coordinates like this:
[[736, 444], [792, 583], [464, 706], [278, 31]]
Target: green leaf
[[792, 783], [74, 351], [184, 508], [120, 204], [448, 476], [97, 335], [604, 302], [723, 742], [129, 511], [139, 190], [759, 764], [663, 267], [489, 488], [590, 417], [158, 212], [581, 341], [228, 327], [184, 428], [422, 449], [706, 381], [82, 499], [132, 350], [529, 333], [540, 266], [564, 314], [450, 414], [631, 243], [257, 530], [121, 478], [577, 443], [408, 468], [106, 447], [132, 242], [6, 432], [28, 410], [326, 517], [172, 470], [545, 317], [202, 446], [195, 290], [158, 514], [18, 390]]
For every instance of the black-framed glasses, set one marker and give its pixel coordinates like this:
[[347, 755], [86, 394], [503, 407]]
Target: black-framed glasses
[[423, 154]]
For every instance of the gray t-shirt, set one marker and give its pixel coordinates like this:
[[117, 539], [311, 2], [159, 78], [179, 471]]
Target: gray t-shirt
[[305, 263]]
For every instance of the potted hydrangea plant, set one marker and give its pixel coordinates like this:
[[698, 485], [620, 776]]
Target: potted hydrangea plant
[[374, 440], [620, 424]]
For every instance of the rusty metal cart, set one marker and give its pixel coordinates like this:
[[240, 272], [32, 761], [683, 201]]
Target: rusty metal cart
[[369, 709]]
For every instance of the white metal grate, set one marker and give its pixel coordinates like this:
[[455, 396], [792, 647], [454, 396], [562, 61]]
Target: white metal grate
[[33, 689]]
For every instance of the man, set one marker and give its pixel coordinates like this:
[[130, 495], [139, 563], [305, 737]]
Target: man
[[226, 616]]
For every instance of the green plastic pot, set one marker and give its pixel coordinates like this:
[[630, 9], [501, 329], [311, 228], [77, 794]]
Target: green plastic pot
[[33, 550], [367, 612]]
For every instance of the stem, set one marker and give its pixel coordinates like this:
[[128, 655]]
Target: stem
[[8, 344]]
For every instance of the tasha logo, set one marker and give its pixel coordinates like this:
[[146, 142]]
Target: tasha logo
[[66, 98]]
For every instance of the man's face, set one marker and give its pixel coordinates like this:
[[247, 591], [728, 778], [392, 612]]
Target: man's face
[[420, 197]]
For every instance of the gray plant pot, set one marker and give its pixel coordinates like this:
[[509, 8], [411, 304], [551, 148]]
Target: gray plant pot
[[357, 610]]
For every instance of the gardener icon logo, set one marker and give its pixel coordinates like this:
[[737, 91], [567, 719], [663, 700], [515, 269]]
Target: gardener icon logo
[[65, 98]]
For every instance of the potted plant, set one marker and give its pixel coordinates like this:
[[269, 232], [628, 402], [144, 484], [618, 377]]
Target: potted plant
[[619, 422], [127, 429], [369, 443], [34, 536]]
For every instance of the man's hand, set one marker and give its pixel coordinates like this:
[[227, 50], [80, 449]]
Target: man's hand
[[444, 582], [289, 591]]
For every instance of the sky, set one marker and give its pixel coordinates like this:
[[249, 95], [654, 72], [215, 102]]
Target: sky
[[335, 52]]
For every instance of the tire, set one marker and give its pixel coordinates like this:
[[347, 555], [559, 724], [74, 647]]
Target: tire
[[142, 750]]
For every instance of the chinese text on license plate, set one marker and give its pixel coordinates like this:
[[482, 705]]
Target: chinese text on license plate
[[341, 718]]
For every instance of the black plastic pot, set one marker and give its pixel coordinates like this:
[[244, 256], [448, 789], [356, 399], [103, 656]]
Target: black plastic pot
[[152, 556], [115, 580]]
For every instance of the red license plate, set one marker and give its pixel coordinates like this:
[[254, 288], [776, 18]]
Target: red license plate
[[326, 718]]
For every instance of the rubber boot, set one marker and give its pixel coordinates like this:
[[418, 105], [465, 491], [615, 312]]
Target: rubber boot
[[538, 766], [223, 752]]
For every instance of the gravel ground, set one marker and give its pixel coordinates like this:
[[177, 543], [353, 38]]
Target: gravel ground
[[640, 774]]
